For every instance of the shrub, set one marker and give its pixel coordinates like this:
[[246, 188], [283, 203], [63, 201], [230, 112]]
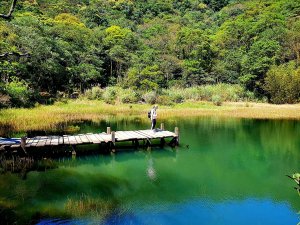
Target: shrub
[[4, 101], [175, 94], [283, 83], [95, 93], [150, 97], [110, 95], [164, 100], [128, 96], [177, 98], [19, 92], [191, 93], [217, 100]]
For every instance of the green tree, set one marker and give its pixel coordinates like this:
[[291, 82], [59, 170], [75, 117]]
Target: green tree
[[118, 42], [148, 79], [194, 47], [282, 83], [261, 56], [216, 5], [19, 92]]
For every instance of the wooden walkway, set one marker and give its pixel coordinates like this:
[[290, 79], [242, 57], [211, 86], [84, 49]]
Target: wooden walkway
[[109, 138]]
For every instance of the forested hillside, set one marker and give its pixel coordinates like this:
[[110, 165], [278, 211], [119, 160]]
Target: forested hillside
[[51, 46]]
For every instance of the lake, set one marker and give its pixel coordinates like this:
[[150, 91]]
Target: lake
[[225, 171]]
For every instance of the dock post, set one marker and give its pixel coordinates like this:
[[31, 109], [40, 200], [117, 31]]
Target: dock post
[[136, 144], [162, 126], [162, 142], [73, 151], [73, 154], [177, 134], [23, 144], [108, 130], [113, 141]]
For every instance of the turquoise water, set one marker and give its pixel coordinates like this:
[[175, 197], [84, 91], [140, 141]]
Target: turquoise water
[[226, 171]]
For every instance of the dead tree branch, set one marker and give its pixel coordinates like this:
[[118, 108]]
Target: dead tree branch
[[5, 55], [12, 8]]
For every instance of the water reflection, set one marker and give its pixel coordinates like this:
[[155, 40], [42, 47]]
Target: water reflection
[[151, 172], [232, 173]]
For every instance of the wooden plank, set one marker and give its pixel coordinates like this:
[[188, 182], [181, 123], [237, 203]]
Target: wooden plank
[[66, 139], [100, 138], [60, 140], [93, 138], [42, 141], [83, 138], [29, 142], [121, 137], [170, 134], [72, 140], [157, 134], [106, 137], [145, 134], [48, 142], [35, 141], [79, 141], [141, 135], [136, 135], [88, 137], [55, 140], [127, 135]]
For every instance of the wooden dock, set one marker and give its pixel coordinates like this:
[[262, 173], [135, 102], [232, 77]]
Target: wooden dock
[[109, 138]]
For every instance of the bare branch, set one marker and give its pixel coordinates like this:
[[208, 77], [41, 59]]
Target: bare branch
[[5, 55], [12, 8]]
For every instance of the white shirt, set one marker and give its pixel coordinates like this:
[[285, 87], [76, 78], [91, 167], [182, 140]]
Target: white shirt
[[153, 114]]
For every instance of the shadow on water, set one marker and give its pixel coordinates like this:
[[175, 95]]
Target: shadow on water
[[85, 190]]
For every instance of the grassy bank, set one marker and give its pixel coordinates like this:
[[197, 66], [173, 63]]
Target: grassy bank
[[49, 117]]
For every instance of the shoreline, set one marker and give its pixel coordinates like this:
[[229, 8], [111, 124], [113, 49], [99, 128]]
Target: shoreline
[[47, 117]]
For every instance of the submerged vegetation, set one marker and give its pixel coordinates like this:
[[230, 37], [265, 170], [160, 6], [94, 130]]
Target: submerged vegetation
[[53, 49], [88, 206]]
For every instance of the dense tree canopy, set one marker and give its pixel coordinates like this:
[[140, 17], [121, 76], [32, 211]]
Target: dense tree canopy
[[72, 45]]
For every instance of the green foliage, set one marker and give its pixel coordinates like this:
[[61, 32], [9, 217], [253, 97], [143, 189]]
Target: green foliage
[[148, 45], [128, 96], [147, 79], [206, 92], [19, 92], [216, 4], [94, 93], [283, 83], [175, 96], [217, 100], [110, 95], [164, 100], [150, 97]]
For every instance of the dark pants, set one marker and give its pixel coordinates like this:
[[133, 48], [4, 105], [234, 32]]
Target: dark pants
[[153, 124]]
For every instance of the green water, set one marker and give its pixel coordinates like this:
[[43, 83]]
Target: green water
[[226, 171]]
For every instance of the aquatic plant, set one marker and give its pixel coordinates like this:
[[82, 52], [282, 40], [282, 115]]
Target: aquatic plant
[[87, 205], [296, 178]]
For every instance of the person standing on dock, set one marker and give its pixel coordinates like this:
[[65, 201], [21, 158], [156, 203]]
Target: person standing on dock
[[153, 116]]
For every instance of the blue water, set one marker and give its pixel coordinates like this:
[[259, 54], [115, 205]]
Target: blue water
[[204, 212]]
